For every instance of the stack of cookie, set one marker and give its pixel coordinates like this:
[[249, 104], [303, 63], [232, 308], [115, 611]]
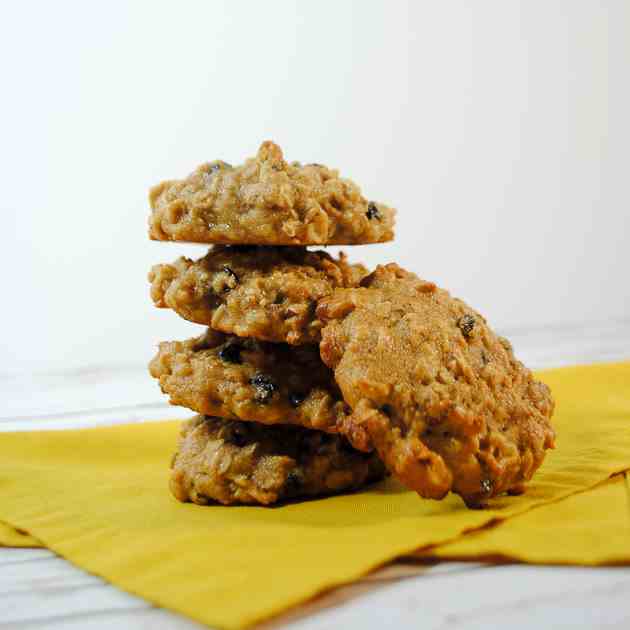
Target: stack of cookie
[[269, 407], [314, 376]]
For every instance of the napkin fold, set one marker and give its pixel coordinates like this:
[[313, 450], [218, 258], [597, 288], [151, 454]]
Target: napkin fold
[[99, 498], [12, 537]]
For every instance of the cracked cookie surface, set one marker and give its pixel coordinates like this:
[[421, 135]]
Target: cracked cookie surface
[[438, 394], [267, 201], [232, 462], [236, 378], [268, 293]]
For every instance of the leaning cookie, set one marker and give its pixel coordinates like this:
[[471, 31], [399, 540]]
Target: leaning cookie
[[249, 463], [433, 389], [268, 293], [267, 201], [245, 379]]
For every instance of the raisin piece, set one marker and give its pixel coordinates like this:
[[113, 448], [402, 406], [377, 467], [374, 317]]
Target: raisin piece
[[296, 398], [372, 211], [232, 276], [231, 353], [466, 325], [265, 388]]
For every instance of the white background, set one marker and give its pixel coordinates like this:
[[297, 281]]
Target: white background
[[500, 130]]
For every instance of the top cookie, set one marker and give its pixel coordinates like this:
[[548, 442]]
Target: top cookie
[[267, 201], [439, 395]]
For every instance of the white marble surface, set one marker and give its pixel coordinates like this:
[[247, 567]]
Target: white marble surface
[[40, 590]]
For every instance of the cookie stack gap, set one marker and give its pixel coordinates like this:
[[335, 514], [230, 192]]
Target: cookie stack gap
[[268, 407]]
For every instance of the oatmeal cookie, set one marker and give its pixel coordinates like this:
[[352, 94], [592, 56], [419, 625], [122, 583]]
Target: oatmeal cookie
[[433, 389], [236, 378], [246, 462], [267, 201], [268, 293]]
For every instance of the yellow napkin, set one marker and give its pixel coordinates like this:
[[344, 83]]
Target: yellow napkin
[[99, 498]]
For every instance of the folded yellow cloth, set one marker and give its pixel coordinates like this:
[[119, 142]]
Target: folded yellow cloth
[[99, 497], [589, 528]]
